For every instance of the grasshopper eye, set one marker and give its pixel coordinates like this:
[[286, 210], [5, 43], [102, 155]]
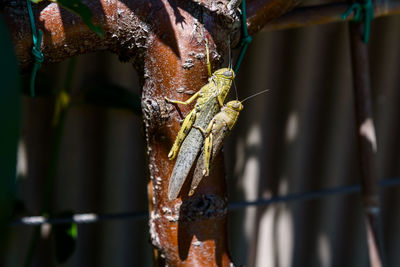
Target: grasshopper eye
[[234, 105], [237, 106], [228, 73]]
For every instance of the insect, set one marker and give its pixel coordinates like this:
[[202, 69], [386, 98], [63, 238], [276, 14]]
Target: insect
[[215, 134], [210, 98], [218, 129]]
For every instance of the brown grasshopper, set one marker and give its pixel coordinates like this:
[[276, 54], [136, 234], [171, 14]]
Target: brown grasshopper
[[218, 129], [210, 98]]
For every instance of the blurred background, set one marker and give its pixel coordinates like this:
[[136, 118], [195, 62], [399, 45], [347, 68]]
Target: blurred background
[[298, 137]]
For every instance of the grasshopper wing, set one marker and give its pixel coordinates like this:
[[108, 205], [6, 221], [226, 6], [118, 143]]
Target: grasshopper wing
[[190, 148], [219, 132]]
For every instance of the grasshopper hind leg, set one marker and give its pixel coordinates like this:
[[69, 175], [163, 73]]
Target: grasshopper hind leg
[[205, 166], [183, 132], [207, 154]]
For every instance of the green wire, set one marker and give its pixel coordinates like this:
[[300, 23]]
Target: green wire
[[36, 49], [246, 40], [363, 11]]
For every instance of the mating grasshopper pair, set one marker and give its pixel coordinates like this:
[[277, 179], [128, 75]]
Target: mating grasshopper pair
[[210, 98]]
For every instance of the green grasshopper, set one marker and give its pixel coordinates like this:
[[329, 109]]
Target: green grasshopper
[[216, 132], [210, 98], [218, 129]]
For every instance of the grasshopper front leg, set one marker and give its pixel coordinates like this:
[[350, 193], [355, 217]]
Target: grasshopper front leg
[[187, 102]]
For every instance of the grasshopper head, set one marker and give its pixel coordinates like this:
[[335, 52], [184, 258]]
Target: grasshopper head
[[235, 105], [225, 73]]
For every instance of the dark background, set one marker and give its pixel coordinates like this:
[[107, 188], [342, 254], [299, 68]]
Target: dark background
[[298, 137]]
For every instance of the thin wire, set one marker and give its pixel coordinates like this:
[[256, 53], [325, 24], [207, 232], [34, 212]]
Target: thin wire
[[36, 49], [297, 196], [246, 40], [363, 11], [83, 218], [86, 218]]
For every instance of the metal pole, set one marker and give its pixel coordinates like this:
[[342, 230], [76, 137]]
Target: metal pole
[[326, 13], [367, 146]]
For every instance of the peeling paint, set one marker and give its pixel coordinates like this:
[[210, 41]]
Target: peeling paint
[[197, 243], [199, 55], [367, 130], [155, 240], [172, 213], [188, 64]]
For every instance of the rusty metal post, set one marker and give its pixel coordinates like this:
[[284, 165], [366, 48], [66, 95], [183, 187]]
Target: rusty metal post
[[367, 146]]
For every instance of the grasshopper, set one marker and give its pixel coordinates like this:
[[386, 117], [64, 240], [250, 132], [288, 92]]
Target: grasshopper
[[210, 98], [216, 132], [218, 129]]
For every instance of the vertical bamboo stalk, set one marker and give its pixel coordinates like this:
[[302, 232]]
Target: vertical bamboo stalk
[[367, 146]]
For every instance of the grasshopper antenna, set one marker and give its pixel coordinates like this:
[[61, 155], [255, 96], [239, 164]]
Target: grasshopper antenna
[[236, 91], [229, 53], [230, 66], [256, 94]]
